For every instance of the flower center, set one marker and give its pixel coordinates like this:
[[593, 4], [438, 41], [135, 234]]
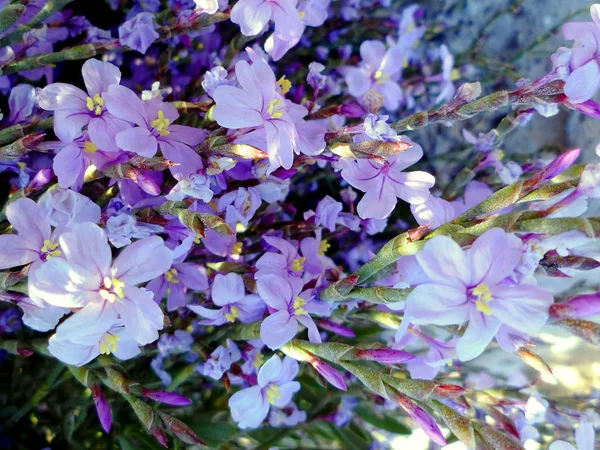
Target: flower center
[[171, 276], [258, 360], [108, 344], [299, 302], [161, 124], [323, 247], [233, 314], [273, 394], [284, 85], [49, 249], [381, 77], [112, 289], [89, 147], [298, 264], [237, 248], [274, 109], [482, 296], [95, 103]]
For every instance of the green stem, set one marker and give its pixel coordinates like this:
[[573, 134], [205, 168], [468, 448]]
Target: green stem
[[90, 50], [47, 10]]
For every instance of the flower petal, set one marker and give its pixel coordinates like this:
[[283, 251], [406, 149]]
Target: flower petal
[[142, 261], [278, 329]]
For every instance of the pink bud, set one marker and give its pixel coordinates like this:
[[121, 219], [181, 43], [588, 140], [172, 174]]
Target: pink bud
[[449, 390], [329, 373], [385, 355], [145, 182], [168, 398], [422, 419], [159, 434], [102, 408], [40, 179], [352, 111]]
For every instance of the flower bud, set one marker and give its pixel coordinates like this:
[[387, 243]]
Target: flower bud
[[385, 355], [329, 373], [336, 328], [421, 418], [180, 429], [352, 111], [102, 408], [168, 398]]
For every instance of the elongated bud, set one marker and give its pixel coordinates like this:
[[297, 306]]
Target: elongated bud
[[423, 390], [584, 329], [504, 421], [580, 307], [369, 149], [102, 408], [9, 15], [156, 163], [295, 351], [496, 439], [373, 101], [329, 373], [536, 361], [168, 398], [180, 429], [421, 418], [333, 327], [385, 355], [148, 418], [352, 111], [240, 151], [458, 424], [339, 289]]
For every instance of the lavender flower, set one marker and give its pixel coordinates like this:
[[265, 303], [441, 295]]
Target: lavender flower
[[139, 33], [229, 293], [250, 406], [383, 183], [469, 285]]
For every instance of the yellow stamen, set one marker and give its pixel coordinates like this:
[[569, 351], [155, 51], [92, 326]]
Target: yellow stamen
[[237, 248], [273, 394], [275, 114], [299, 302], [483, 294], [108, 344], [107, 295], [298, 264], [197, 238], [95, 104], [284, 85], [302, 14], [88, 147], [171, 276], [381, 77], [233, 314], [323, 247], [161, 124], [118, 287]]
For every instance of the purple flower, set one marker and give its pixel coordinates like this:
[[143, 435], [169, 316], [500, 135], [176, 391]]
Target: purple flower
[[177, 281], [469, 285], [314, 78], [154, 120], [122, 228], [220, 360], [579, 66], [196, 185], [289, 416], [380, 70], [287, 263], [240, 205], [229, 293], [253, 15], [74, 108], [287, 307], [73, 159], [345, 411], [258, 104], [250, 406], [110, 305], [22, 102], [314, 249], [138, 33], [383, 183]]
